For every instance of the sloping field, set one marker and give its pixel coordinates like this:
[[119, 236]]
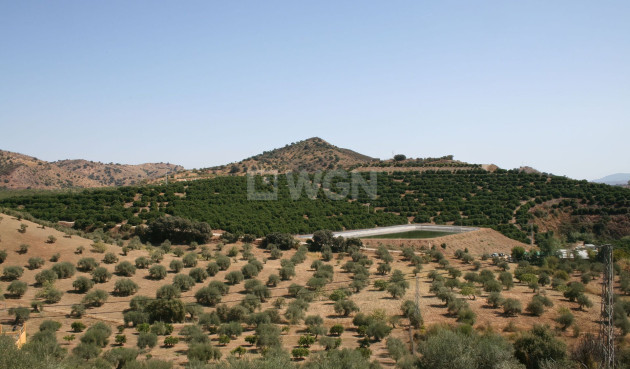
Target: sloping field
[[369, 299]]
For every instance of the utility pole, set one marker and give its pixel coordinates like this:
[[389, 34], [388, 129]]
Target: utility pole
[[606, 331]]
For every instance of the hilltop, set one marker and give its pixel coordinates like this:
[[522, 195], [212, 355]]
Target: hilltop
[[315, 154], [18, 171], [310, 155]]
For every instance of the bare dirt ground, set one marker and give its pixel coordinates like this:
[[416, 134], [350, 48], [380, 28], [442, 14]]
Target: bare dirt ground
[[368, 300], [484, 240]]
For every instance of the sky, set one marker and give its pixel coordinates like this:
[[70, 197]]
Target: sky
[[200, 83]]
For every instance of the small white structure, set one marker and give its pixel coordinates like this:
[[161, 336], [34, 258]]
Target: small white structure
[[580, 252]]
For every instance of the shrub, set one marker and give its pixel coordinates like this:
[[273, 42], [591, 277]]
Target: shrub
[[232, 329], [3, 256], [208, 296], [203, 352], [35, 263], [82, 284], [300, 352], [55, 257], [50, 294], [198, 274], [495, 299], [101, 275], [87, 264], [157, 256], [397, 291], [223, 262], [49, 325], [46, 276], [575, 289], [20, 313], [13, 272], [493, 286], [176, 265], [273, 280], [17, 289], [95, 298], [170, 341], [183, 282], [190, 260], [120, 339], [86, 351], [98, 334], [23, 249], [162, 329], [584, 301], [168, 292], [146, 339], [234, 277], [212, 269], [110, 258], [222, 287], [142, 262], [512, 307], [535, 307], [125, 287], [166, 310], [565, 319], [64, 270], [287, 272], [345, 307], [157, 272], [336, 330], [77, 310], [99, 247], [77, 326], [538, 346], [125, 269], [249, 270]]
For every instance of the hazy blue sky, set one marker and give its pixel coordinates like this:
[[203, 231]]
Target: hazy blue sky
[[200, 83]]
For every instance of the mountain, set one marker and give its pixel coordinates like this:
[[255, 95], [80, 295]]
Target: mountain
[[615, 179], [316, 154], [18, 171], [310, 155]]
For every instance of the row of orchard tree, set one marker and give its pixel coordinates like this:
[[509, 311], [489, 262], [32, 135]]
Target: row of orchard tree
[[503, 200]]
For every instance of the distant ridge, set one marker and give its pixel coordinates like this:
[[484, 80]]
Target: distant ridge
[[18, 171], [615, 179]]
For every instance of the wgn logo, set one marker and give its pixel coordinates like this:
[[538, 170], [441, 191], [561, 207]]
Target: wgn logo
[[335, 185]]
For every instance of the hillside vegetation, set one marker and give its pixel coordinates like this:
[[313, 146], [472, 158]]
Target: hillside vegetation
[[89, 304], [507, 201], [19, 171]]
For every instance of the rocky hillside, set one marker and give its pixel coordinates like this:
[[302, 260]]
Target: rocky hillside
[[311, 155], [19, 171], [315, 154]]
